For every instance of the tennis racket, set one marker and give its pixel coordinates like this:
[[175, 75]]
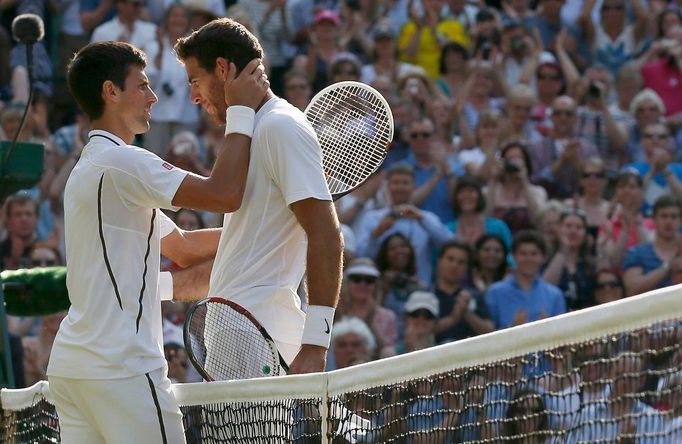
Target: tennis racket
[[224, 341], [354, 126]]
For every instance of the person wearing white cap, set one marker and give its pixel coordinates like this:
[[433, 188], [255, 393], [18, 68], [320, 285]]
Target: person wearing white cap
[[421, 316], [360, 298]]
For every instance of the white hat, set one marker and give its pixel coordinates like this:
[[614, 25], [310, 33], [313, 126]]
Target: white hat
[[422, 299], [362, 266]]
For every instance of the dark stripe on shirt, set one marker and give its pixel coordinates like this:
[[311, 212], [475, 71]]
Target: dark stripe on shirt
[[158, 408], [106, 137], [144, 273], [104, 244]]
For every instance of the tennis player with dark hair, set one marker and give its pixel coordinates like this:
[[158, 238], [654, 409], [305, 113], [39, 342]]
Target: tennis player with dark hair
[[107, 370], [287, 225]]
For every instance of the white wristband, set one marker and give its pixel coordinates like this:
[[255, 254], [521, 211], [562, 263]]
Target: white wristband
[[318, 325], [166, 286], [239, 119]]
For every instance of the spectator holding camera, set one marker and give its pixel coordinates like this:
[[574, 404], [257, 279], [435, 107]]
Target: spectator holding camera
[[423, 228], [510, 195]]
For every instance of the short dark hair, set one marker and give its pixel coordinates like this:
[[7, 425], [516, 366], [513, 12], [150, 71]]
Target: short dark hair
[[468, 181], [528, 237], [19, 199], [96, 63], [524, 151], [448, 48], [401, 168], [458, 245], [667, 201], [221, 37]]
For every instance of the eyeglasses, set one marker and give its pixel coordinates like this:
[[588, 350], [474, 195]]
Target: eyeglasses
[[659, 136], [542, 76], [563, 113], [421, 313], [44, 262], [607, 284], [595, 175], [422, 134], [362, 279]]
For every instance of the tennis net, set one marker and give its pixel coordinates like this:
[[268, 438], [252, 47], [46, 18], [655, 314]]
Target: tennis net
[[608, 374]]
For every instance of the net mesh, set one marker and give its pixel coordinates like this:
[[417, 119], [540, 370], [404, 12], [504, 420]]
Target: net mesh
[[608, 374], [354, 126]]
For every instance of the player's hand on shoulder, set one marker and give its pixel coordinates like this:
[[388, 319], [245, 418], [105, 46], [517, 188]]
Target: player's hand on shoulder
[[310, 359], [249, 87]]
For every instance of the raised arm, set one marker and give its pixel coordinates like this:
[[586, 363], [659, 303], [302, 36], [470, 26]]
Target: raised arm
[[223, 190], [324, 259]]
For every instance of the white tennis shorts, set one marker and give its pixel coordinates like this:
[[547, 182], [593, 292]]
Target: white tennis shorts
[[141, 409]]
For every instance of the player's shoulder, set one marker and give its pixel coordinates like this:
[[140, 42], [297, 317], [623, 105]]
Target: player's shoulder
[[280, 115], [121, 157]]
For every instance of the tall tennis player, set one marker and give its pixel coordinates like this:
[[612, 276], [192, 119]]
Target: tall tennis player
[[287, 225], [107, 370]]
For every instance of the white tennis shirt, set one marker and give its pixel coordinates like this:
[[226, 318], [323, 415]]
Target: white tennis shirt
[[261, 257], [113, 231]]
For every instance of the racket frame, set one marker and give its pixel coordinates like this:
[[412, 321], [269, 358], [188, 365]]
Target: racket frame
[[239, 309], [384, 102]]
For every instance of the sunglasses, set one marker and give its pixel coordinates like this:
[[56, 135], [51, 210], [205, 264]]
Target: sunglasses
[[362, 279], [598, 175], [421, 313], [613, 7], [43, 262], [542, 76], [422, 134], [563, 113], [607, 284], [659, 136], [137, 4]]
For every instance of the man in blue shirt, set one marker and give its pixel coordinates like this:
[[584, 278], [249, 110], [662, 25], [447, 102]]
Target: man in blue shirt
[[647, 266], [524, 296]]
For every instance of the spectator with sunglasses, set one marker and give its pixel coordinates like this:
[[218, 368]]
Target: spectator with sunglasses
[[421, 318], [557, 159], [660, 173], [593, 179], [608, 286], [360, 298]]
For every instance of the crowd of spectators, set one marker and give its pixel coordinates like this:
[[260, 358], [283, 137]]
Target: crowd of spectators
[[535, 167]]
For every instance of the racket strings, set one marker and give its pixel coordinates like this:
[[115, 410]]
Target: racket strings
[[354, 130], [229, 346]]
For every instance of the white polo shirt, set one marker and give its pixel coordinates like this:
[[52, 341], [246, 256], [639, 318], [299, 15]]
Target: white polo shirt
[[112, 231], [261, 257]]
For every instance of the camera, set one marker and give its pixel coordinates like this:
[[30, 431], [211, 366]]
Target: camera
[[486, 48], [401, 280], [167, 89], [510, 167], [353, 5], [413, 86], [593, 91]]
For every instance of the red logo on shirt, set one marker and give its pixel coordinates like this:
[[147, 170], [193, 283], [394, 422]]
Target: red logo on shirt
[[167, 166]]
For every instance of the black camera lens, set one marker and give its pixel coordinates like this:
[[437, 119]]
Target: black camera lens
[[167, 89], [511, 167]]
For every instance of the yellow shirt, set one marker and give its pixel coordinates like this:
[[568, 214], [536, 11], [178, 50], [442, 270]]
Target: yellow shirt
[[428, 54]]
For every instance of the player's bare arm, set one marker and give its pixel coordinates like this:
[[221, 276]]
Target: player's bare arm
[[191, 284], [223, 190], [187, 248], [324, 260]]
